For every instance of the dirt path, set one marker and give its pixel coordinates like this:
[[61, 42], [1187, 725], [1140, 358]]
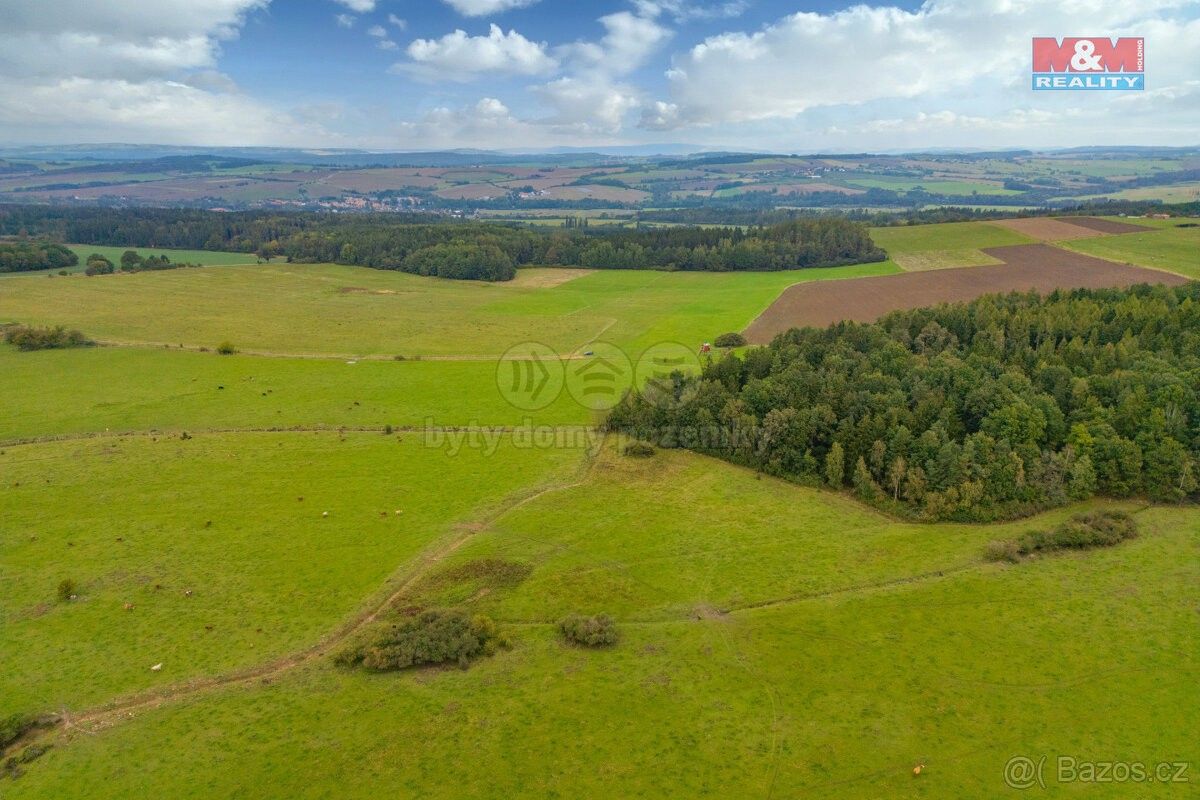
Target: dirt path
[[110, 714], [170, 434]]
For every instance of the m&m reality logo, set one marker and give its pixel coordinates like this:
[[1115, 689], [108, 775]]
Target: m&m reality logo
[[1089, 63]]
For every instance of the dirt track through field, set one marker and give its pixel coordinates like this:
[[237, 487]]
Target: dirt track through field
[[1025, 267]]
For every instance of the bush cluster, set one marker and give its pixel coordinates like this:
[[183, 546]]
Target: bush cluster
[[436, 636], [727, 340], [98, 265], [29, 256], [57, 338], [638, 450], [1082, 532], [597, 631]]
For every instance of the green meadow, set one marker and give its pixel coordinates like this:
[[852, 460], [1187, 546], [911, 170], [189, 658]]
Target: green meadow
[[859, 649], [214, 553], [120, 389], [232, 520], [955, 244], [1172, 248], [300, 309], [207, 258]]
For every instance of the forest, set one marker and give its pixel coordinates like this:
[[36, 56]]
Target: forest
[[981, 411], [450, 248], [29, 256]]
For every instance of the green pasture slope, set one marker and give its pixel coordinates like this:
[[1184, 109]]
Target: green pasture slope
[[1169, 248], [238, 521], [775, 640]]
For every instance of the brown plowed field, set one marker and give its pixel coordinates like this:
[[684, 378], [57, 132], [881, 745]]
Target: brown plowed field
[[1028, 266], [1105, 225]]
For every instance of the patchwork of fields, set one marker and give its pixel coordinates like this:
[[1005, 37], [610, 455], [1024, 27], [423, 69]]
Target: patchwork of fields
[[228, 521]]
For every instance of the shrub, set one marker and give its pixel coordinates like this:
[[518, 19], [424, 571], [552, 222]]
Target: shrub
[[730, 340], [58, 338], [66, 590], [432, 637], [1004, 550], [638, 450], [1082, 532], [226, 349], [99, 265], [597, 631]]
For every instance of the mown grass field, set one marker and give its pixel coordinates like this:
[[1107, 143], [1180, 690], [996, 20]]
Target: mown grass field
[[352, 311], [1170, 248], [957, 244], [858, 662]]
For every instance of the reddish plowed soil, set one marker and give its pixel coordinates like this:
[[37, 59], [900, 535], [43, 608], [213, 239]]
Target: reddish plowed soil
[[1029, 266]]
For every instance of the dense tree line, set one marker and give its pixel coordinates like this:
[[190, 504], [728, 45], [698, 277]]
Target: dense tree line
[[979, 411], [704, 215], [457, 249], [29, 256]]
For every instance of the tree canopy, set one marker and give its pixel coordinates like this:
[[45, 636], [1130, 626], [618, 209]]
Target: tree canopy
[[978, 411]]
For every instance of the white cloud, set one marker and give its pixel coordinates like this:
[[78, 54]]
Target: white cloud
[[401, 24], [345, 20], [628, 42], [387, 44], [378, 31], [483, 8], [863, 54], [596, 95], [683, 11], [591, 103], [358, 6], [457, 56], [158, 111], [126, 70]]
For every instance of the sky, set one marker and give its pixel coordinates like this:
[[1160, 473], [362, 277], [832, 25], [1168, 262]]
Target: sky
[[777, 75]]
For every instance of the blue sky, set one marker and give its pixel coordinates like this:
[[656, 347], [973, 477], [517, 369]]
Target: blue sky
[[400, 74]]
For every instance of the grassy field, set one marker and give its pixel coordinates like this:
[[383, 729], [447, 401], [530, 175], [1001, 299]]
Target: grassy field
[[129, 389], [957, 244], [220, 517], [1170, 248], [826, 681], [207, 258], [776, 640], [328, 309]]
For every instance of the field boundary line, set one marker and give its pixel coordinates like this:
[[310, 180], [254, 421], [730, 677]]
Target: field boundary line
[[380, 429]]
